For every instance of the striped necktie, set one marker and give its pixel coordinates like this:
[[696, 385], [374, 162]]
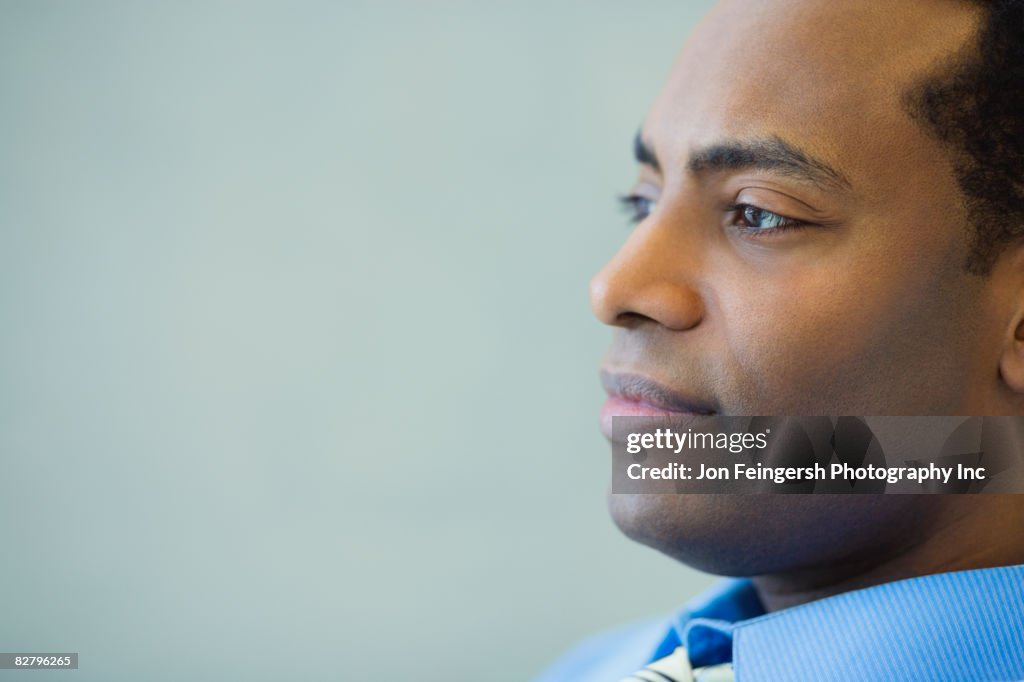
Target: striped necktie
[[676, 668]]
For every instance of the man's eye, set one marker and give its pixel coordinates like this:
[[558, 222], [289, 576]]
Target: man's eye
[[752, 220], [637, 207]]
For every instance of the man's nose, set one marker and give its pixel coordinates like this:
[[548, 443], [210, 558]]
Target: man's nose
[[654, 276]]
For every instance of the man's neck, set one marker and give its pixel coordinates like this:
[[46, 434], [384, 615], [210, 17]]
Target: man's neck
[[976, 531]]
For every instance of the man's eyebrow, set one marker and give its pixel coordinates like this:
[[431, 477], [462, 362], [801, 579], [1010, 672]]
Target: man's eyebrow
[[771, 154], [643, 152]]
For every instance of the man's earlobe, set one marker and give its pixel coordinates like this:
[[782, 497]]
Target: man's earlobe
[[1008, 273], [1011, 368]]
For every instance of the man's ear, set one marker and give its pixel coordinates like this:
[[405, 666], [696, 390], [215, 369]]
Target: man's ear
[[1010, 270], [1011, 365]]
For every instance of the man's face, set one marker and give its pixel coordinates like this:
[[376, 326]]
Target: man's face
[[803, 255]]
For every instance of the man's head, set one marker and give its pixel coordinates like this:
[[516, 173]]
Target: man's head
[[829, 208]]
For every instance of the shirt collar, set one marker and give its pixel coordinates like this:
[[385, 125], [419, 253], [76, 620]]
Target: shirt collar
[[962, 625]]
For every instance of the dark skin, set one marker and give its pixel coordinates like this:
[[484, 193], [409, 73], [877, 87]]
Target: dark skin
[[800, 250]]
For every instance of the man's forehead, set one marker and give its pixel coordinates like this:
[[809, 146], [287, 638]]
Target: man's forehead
[[858, 33], [826, 74]]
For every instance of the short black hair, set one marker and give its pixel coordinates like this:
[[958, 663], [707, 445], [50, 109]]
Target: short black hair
[[976, 109]]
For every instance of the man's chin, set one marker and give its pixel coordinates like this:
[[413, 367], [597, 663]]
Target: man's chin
[[748, 535], [692, 529]]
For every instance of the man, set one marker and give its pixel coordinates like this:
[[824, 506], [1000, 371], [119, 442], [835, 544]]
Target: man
[[829, 213]]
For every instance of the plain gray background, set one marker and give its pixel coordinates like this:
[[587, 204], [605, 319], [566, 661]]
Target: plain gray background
[[297, 368]]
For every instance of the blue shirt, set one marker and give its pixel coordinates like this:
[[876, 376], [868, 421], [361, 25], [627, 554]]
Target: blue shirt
[[966, 626]]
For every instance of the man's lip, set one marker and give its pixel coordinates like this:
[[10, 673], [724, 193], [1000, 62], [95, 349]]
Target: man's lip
[[634, 395], [636, 388]]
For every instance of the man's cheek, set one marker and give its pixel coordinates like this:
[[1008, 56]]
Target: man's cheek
[[794, 360]]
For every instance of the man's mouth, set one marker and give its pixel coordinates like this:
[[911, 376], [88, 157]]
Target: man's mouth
[[634, 395]]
